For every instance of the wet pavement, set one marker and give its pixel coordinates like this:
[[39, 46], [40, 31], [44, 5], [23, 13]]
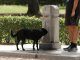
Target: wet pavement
[[9, 52]]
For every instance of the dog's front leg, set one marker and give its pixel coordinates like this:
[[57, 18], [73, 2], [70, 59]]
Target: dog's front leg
[[33, 45], [37, 45], [17, 42], [17, 46], [23, 41]]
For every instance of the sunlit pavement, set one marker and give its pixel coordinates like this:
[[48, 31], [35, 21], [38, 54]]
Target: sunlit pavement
[[10, 53]]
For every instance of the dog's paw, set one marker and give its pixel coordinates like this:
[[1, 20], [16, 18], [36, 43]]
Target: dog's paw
[[37, 49], [23, 49], [17, 49], [33, 49]]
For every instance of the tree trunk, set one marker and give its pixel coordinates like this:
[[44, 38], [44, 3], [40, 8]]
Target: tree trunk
[[33, 8]]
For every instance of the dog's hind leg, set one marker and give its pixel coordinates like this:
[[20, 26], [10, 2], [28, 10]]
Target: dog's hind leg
[[23, 41]]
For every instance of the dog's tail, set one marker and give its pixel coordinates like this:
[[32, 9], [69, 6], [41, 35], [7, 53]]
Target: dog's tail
[[12, 34]]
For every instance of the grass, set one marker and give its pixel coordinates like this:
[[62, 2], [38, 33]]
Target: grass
[[62, 9], [13, 9], [21, 9]]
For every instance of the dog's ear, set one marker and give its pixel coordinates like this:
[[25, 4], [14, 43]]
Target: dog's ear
[[44, 31]]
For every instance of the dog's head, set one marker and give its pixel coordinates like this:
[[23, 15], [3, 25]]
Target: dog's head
[[44, 31]]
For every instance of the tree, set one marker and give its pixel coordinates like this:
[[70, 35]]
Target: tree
[[33, 8]]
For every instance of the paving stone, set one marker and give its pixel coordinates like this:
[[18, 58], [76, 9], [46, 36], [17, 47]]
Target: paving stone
[[10, 53]]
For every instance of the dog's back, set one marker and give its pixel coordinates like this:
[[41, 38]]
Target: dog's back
[[29, 34], [33, 34]]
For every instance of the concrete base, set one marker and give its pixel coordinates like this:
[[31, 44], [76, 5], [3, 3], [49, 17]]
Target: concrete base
[[49, 46]]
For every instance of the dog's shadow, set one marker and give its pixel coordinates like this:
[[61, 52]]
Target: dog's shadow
[[30, 50]]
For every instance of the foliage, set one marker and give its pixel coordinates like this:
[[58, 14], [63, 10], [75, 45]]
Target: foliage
[[15, 23], [13, 2], [63, 34], [51, 2], [64, 37], [18, 22], [24, 2]]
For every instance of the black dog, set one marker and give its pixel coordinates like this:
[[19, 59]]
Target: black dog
[[34, 35]]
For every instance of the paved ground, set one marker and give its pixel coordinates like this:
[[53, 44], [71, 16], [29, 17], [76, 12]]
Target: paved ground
[[6, 52], [12, 58], [9, 52]]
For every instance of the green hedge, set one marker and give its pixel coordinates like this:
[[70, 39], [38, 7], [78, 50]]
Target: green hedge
[[18, 22], [15, 23], [63, 34]]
